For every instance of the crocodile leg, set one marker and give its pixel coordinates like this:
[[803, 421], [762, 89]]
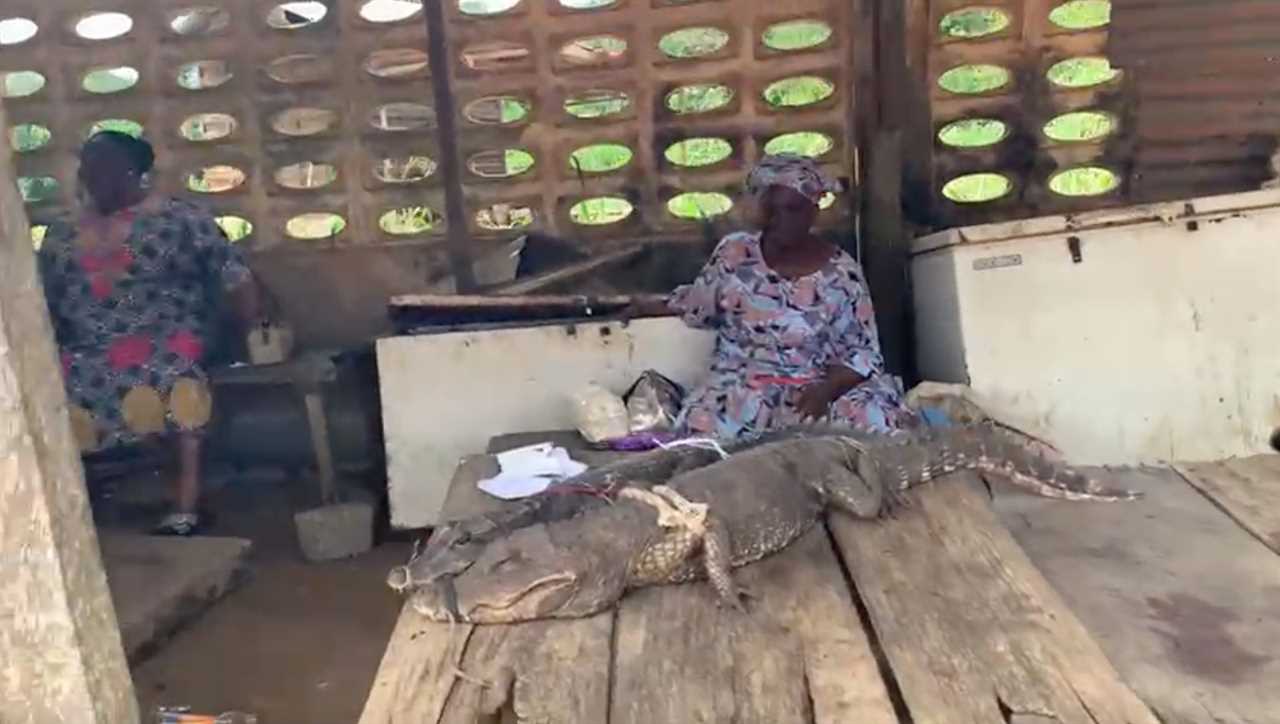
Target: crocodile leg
[[716, 559], [856, 485]]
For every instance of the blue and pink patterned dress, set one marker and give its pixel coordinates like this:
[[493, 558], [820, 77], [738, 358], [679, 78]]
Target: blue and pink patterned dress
[[776, 335]]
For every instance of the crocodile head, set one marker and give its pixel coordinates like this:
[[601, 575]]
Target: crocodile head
[[450, 551], [524, 576]]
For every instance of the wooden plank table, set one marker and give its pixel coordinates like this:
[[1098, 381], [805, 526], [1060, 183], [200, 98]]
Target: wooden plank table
[[1181, 598], [948, 622]]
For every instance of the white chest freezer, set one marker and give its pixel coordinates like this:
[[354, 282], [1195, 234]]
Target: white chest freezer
[[1137, 335]]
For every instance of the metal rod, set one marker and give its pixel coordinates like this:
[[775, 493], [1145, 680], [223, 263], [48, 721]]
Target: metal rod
[[458, 239]]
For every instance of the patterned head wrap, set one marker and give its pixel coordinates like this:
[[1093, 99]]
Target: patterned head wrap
[[798, 173]]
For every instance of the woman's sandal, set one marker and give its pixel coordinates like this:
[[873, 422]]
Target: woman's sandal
[[178, 524]]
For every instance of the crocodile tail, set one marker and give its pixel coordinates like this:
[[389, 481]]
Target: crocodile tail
[[1004, 453], [993, 449]]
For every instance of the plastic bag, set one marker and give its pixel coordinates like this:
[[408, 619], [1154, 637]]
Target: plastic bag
[[599, 414], [653, 403]]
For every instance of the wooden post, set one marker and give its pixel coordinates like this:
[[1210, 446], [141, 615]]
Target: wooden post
[[881, 136], [62, 659], [455, 212]]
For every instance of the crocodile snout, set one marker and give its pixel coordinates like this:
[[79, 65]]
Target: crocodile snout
[[398, 579]]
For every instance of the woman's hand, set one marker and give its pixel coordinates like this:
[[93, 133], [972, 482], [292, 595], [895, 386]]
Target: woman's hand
[[815, 399]]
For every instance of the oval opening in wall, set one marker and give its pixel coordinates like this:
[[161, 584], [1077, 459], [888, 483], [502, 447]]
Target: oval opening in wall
[[699, 98], [215, 179], [600, 211], [974, 79], [21, 83], [38, 189], [976, 22], [801, 143], [696, 205], [600, 158], [204, 74], [1084, 181], [587, 4], [974, 132], [306, 175], [1082, 14], [482, 8], [204, 127], [404, 169], [200, 21], [496, 55], [695, 42], [798, 92], [977, 188], [593, 104], [295, 15], [397, 117], [1080, 126], [300, 68], [235, 228], [29, 137], [698, 152], [408, 221], [1082, 72], [104, 81], [303, 121], [390, 11], [315, 225], [504, 217], [103, 26], [504, 163], [593, 50], [396, 63], [497, 110], [15, 31], [793, 35], [119, 125]]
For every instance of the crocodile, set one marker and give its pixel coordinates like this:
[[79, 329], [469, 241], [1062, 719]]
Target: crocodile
[[453, 546], [709, 520]]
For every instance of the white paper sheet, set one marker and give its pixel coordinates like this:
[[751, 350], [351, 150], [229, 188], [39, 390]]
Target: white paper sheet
[[529, 470]]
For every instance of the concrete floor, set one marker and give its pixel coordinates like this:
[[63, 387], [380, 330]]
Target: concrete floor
[[298, 643]]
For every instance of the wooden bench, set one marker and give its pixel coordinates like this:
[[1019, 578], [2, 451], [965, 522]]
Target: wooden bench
[[938, 613]]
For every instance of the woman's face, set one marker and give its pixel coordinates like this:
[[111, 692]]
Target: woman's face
[[787, 213], [108, 179]]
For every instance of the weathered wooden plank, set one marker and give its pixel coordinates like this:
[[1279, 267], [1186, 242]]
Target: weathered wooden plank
[[416, 674], [971, 629], [1181, 599], [680, 657], [1246, 489], [805, 592], [553, 672], [798, 655], [63, 658]]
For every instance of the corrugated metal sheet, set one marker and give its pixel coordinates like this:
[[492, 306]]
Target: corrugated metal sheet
[[1205, 93]]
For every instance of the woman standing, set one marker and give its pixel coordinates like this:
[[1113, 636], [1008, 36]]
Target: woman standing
[[132, 289], [796, 335]]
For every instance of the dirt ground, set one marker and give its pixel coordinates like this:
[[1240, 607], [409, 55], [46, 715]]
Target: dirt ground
[[298, 643]]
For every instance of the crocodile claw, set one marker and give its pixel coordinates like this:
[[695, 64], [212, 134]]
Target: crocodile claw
[[738, 601]]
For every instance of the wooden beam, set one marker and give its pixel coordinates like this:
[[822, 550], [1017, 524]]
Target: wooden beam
[[455, 212], [973, 632], [63, 658], [881, 138]]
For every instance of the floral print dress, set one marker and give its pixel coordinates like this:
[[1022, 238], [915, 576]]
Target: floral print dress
[[132, 321], [776, 335]]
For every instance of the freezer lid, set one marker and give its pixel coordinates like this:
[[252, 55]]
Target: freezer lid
[[1165, 212]]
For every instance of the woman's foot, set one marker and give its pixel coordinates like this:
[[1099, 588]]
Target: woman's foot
[[180, 524]]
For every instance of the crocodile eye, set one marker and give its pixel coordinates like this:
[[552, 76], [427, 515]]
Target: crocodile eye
[[463, 538]]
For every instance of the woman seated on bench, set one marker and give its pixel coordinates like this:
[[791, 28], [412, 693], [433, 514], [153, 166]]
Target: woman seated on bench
[[796, 335], [129, 292]]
